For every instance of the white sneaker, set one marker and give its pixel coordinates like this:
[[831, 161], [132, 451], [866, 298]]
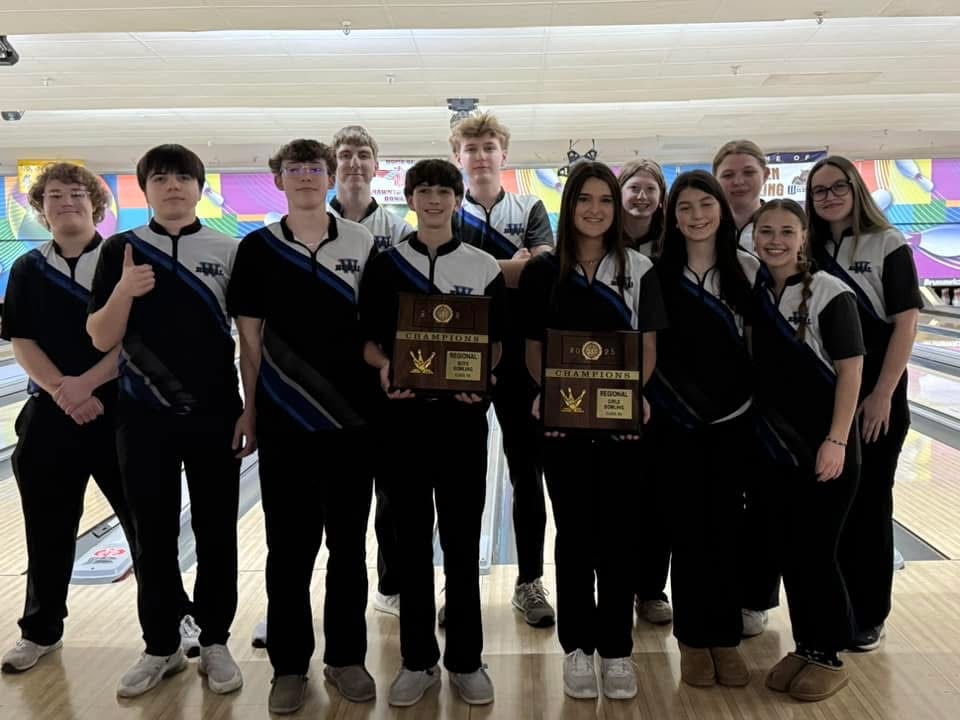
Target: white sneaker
[[260, 634], [754, 622], [409, 686], [475, 688], [149, 670], [25, 655], [898, 562], [619, 678], [223, 673], [389, 604], [579, 675], [189, 636]]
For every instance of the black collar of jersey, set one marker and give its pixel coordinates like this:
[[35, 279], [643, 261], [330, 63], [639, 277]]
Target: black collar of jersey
[[847, 232], [291, 238], [417, 244], [500, 196], [766, 278], [371, 208], [190, 229], [92, 245]]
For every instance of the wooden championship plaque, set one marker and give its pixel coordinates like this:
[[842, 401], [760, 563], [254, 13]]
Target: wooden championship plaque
[[592, 382], [442, 344]]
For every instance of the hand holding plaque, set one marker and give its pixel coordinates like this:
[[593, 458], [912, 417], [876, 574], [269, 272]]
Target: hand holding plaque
[[442, 346], [592, 383]]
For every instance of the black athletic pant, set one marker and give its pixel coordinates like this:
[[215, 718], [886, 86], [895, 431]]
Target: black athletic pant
[[812, 515], [760, 565], [439, 457], [52, 463], [652, 537], [707, 516], [151, 447], [386, 529], [311, 483], [513, 399], [593, 489], [866, 545]]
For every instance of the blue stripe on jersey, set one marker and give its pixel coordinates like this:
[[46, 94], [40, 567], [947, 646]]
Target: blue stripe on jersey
[[789, 333], [608, 294], [663, 396], [323, 274], [159, 257], [292, 402], [412, 274], [58, 278], [712, 302], [863, 300], [776, 449], [503, 245]]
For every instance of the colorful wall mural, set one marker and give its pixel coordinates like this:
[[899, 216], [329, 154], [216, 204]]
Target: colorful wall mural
[[921, 197]]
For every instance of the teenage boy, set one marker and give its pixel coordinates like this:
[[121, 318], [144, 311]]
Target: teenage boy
[[513, 228], [160, 293], [429, 437], [294, 294], [356, 152]]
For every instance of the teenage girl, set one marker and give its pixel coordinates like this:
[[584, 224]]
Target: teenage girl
[[851, 239], [808, 353], [592, 282], [741, 168], [702, 390]]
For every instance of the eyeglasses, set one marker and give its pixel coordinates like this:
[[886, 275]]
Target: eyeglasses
[[301, 170], [57, 196], [840, 189]]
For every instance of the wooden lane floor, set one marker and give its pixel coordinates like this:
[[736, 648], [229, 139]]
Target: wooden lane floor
[[915, 675], [927, 493]]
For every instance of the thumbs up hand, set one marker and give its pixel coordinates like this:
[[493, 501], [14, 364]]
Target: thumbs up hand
[[136, 280]]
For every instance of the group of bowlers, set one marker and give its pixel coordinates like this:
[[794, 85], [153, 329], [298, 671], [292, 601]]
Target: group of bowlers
[[775, 342]]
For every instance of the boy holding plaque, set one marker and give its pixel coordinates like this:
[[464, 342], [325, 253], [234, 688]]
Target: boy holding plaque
[[592, 282], [294, 294], [431, 436]]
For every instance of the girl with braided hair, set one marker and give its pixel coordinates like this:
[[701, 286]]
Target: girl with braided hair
[[807, 346]]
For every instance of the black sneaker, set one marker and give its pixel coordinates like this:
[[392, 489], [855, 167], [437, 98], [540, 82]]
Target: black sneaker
[[869, 639]]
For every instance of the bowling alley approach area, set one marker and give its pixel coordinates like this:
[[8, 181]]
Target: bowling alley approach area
[[456, 360]]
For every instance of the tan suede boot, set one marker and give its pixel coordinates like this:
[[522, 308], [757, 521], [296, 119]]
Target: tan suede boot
[[730, 665], [696, 666], [783, 673], [818, 682]]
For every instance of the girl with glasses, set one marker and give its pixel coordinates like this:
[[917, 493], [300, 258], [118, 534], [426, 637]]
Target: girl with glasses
[[851, 239]]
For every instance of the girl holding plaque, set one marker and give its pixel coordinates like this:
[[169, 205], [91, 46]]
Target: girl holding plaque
[[702, 390], [808, 350], [592, 282]]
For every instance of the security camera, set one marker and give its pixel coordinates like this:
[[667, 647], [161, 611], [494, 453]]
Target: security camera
[[8, 56], [11, 115]]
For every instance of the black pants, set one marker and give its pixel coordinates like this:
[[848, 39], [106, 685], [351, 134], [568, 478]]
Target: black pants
[[311, 483], [652, 537], [512, 400], [593, 489], [52, 463], [151, 447], [385, 527], [866, 545], [812, 515], [707, 516], [759, 562], [439, 453]]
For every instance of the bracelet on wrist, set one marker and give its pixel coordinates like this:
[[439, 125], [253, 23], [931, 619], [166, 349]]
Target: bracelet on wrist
[[836, 442]]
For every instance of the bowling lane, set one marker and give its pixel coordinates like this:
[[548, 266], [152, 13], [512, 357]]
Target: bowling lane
[[936, 390]]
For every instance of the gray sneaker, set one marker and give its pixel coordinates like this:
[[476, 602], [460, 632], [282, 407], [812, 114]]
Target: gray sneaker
[[25, 655], [189, 636], [223, 673], [148, 671], [754, 622], [531, 600], [353, 682], [287, 694], [619, 678], [410, 685], [655, 612], [260, 634], [579, 675], [475, 688]]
